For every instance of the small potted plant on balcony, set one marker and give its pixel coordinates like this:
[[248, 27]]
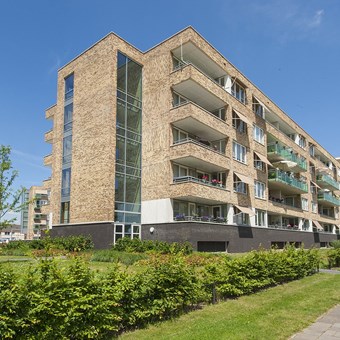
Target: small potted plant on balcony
[[205, 179]]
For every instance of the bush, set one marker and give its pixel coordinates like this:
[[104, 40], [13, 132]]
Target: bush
[[142, 246], [333, 256], [69, 243], [109, 255], [335, 244]]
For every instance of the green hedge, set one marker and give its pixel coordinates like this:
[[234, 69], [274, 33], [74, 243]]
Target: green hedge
[[49, 302], [142, 246], [69, 243]]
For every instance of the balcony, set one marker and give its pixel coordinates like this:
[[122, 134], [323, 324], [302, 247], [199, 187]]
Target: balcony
[[196, 218], [194, 85], [280, 180], [195, 155], [327, 182], [195, 119], [195, 190], [49, 136], [48, 160], [277, 152], [50, 112], [327, 199], [186, 179]]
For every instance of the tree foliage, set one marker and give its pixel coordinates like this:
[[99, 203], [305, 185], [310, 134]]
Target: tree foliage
[[9, 198]]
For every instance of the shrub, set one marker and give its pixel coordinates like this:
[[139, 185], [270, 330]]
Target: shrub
[[109, 255], [335, 244], [333, 256], [142, 246]]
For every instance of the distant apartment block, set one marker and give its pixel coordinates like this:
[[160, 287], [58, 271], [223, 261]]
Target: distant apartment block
[[176, 144], [11, 233], [35, 215]]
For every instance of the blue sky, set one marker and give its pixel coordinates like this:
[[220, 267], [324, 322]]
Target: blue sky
[[290, 49]]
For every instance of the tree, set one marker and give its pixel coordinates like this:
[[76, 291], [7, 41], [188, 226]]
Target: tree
[[9, 198]]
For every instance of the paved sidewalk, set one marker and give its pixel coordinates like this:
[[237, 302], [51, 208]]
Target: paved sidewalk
[[326, 327]]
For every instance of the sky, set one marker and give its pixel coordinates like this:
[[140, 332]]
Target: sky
[[289, 49]]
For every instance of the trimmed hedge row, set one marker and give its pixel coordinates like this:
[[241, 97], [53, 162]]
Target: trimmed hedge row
[[141, 246], [69, 243], [49, 302]]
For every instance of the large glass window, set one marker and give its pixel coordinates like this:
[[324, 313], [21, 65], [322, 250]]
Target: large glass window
[[67, 149], [66, 182], [69, 81], [68, 116], [239, 186], [128, 141], [65, 212]]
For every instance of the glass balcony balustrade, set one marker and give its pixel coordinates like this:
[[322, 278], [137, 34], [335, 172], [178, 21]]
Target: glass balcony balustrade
[[286, 154], [285, 178]]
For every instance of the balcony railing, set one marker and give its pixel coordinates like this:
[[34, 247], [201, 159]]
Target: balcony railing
[[183, 217], [283, 177], [280, 150], [190, 179], [324, 178], [205, 144], [285, 201], [329, 198], [286, 227]]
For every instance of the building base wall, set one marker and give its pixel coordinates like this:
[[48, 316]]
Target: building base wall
[[101, 233], [237, 239], [202, 236]]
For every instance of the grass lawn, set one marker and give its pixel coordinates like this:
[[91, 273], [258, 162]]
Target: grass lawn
[[276, 313]]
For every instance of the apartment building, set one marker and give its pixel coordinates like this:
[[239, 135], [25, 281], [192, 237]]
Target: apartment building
[[35, 215], [177, 144]]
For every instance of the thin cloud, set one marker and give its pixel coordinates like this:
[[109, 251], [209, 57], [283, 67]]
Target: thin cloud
[[288, 20], [317, 19], [26, 155], [55, 67]]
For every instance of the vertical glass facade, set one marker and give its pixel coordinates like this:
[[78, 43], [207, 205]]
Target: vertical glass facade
[[67, 151], [128, 141]]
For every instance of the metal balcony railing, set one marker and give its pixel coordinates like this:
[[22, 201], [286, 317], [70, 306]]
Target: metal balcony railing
[[191, 179]]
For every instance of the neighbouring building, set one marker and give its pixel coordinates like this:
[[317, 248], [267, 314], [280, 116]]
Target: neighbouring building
[[11, 233], [35, 216], [177, 144]]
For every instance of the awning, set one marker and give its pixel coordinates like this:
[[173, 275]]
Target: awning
[[263, 158], [245, 210], [242, 117], [318, 225], [264, 106], [244, 178], [315, 184]]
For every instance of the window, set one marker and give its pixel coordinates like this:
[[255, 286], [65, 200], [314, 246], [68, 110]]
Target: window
[[239, 186], [238, 123], [239, 152], [126, 230], [311, 149], [258, 108], [179, 136], [315, 207], [302, 141], [67, 149], [238, 92], [260, 189], [69, 86], [240, 218], [220, 113], [313, 188], [66, 182], [260, 218], [68, 114], [258, 164], [180, 171], [304, 204], [65, 212], [178, 99], [258, 134]]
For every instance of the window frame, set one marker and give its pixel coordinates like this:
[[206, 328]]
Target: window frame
[[238, 155]]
